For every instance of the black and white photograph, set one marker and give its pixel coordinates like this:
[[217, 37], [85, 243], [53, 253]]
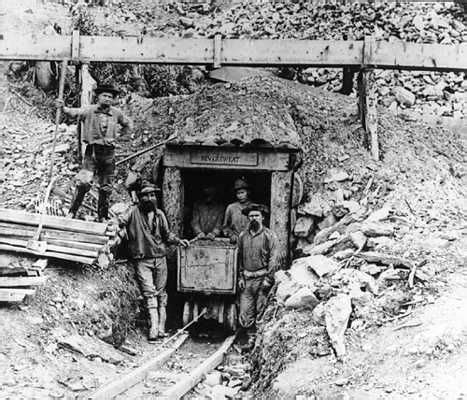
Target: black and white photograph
[[233, 200]]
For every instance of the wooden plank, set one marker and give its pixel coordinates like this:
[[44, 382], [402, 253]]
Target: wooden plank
[[51, 247], [34, 47], [281, 191], [185, 385], [234, 52], [28, 231], [150, 50], [15, 295], [173, 199], [277, 52], [404, 55], [22, 281], [62, 256], [123, 383], [226, 159], [62, 223]]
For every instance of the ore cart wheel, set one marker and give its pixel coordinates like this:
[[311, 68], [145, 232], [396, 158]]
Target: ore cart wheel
[[231, 317], [187, 315]]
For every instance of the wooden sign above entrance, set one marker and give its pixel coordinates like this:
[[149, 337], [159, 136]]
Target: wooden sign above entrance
[[227, 158], [217, 158]]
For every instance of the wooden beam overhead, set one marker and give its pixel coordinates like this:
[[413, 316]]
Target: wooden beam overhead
[[233, 52], [416, 56]]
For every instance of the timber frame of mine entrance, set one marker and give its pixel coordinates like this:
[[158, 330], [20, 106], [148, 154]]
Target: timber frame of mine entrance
[[365, 56]]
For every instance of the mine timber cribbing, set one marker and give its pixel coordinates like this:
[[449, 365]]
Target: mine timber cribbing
[[235, 52]]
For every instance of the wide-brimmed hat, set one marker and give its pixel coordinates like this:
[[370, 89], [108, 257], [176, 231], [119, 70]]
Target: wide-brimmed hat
[[149, 188], [107, 89], [256, 207], [241, 184]]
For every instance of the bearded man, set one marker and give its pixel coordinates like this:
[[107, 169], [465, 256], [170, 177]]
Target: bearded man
[[148, 233], [257, 262]]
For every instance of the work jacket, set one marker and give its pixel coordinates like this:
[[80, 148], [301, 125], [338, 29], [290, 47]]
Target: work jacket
[[147, 233], [100, 125], [257, 251], [207, 218], [234, 221]]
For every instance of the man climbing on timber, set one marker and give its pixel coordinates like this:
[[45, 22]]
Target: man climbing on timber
[[208, 215], [257, 247], [100, 130], [234, 220], [148, 233]]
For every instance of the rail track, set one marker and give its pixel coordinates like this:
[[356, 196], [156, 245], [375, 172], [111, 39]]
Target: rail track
[[176, 366]]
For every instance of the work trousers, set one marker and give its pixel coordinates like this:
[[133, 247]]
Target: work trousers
[[252, 301], [152, 277], [100, 160]]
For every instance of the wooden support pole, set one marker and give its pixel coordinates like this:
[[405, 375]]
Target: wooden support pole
[[281, 185], [368, 99], [173, 198], [87, 83]]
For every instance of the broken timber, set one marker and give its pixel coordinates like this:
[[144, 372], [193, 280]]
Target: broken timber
[[233, 52]]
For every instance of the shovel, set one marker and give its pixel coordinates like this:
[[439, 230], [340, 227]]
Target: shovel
[[35, 244]]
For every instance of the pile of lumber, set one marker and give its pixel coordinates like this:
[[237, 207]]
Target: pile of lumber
[[67, 239], [18, 282]]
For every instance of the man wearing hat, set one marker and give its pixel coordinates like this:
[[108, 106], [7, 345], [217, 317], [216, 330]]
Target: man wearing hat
[[100, 128], [148, 233], [234, 220], [256, 263]]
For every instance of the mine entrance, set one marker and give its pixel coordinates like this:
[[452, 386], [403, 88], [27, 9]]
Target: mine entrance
[[223, 180]]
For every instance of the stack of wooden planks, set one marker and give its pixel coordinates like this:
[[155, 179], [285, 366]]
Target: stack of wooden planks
[[17, 282], [67, 239]]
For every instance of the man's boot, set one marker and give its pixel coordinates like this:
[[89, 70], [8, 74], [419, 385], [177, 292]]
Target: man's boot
[[153, 319], [78, 197], [162, 319], [103, 206]]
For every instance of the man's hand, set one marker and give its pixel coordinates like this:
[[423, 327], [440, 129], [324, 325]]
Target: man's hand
[[233, 239], [241, 284], [200, 235], [211, 236], [183, 242]]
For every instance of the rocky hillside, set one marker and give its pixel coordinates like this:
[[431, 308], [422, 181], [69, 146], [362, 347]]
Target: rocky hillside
[[427, 93]]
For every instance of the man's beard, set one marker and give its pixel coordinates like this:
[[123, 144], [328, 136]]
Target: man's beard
[[148, 206], [254, 226]]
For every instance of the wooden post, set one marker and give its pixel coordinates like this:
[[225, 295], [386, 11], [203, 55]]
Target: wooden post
[[173, 199], [368, 99], [87, 87], [281, 186]]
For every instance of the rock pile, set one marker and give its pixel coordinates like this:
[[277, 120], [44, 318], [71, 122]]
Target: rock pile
[[343, 268], [438, 94]]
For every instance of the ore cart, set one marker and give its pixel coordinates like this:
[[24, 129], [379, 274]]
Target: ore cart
[[266, 158]]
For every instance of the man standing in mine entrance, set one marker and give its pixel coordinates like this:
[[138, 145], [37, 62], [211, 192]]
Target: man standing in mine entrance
[[148, 233], [257, 247], [235, 221], [208, 214], [100, 130]]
